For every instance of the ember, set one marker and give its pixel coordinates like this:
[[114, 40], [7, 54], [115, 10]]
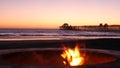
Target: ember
[[72, 57]]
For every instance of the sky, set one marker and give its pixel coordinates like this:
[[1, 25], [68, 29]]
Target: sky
[[53, 13]]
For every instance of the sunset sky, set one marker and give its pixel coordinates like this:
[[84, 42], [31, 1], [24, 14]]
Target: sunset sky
[[53, 13]]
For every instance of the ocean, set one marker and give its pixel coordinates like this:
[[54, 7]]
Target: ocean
[[44, 34]]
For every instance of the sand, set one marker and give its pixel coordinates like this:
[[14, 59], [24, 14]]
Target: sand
[[109, 44]]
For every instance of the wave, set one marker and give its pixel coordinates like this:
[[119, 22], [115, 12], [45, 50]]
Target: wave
[[54, 34], [40, 33]]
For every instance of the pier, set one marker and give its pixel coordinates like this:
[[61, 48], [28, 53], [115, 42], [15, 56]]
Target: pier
[[99, 27]]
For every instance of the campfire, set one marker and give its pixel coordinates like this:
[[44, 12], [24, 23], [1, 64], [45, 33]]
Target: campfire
[[67, 56], [72, 57]]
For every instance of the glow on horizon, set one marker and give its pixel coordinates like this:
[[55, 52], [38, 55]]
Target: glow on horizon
[[53, 13]]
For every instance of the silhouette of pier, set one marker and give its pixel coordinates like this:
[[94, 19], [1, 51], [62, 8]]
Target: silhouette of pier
[[99, 27]]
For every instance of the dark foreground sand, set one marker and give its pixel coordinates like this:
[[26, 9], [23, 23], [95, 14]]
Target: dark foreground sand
[[109, 44]]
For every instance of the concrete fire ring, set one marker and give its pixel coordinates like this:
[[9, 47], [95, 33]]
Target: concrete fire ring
[[115, 64]]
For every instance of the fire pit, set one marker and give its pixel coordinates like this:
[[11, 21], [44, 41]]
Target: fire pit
[[32, 54], [51, 57]]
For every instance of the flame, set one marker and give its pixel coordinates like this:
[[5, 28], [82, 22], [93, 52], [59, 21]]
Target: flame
[[72, 57]]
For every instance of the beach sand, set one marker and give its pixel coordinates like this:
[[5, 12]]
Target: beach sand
[[109, 44]]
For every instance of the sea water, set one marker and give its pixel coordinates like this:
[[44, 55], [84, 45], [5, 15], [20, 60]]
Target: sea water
[[54, 34]]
